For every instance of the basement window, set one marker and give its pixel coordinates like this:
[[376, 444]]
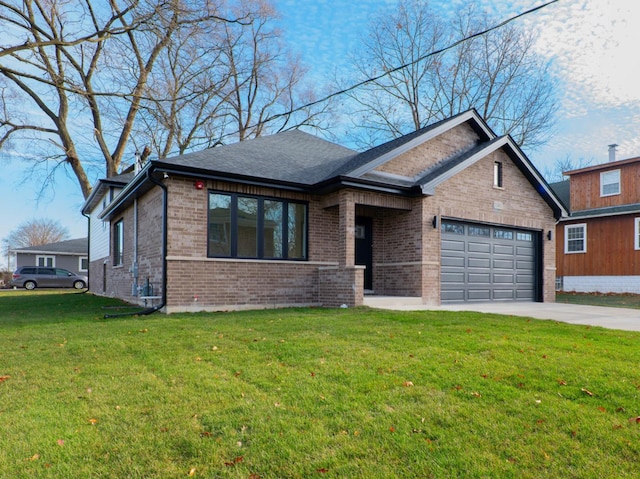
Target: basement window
[[575, 238], [610, 183]]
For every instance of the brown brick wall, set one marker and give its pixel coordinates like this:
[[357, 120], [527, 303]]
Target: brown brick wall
[[341, 285], [431, 152]]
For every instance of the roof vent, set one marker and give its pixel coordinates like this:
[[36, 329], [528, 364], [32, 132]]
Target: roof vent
[[612, 152]]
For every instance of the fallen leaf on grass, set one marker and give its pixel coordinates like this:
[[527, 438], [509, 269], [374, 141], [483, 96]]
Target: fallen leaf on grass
[[35, 457], [60, 442], [636, 419], [93, 421], [601, 409], [587, 392], [407, 384], [476, 394], [322, 470], [192, 472], [234, 462], [4, 378]]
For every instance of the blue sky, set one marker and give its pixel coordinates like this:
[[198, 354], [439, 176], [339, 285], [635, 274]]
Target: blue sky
[[592, 44]]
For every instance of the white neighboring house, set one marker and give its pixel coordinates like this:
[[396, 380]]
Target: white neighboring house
[[99, 231]]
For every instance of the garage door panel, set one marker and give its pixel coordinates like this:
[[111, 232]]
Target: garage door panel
[[474, 247], [499, 265], [503, 294], [482, 278], [479, 263], [453, 295], [451, 277], [453, 261], [503, 263], [452, 245], [525, 251], [479, 294], [503, 249]]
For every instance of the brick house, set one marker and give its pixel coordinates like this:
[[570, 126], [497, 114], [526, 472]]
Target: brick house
[[598, 244], [449, 213]]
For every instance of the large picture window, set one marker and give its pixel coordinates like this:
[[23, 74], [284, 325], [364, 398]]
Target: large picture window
[[575, 238], [256, 227]]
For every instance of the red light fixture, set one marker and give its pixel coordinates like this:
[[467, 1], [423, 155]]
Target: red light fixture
[[199, 185]]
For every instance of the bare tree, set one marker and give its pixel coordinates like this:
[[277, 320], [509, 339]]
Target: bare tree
[[229, 81], [497, 73], [557, 172], [76, 74], [36, 232]]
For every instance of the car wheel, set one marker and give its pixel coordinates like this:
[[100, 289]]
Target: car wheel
[[78, 284], [29, 285]]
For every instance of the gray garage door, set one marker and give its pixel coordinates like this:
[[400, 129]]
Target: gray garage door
[[487, 263]]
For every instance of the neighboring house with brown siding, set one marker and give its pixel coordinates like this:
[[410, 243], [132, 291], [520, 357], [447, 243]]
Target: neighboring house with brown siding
[[450, 213], [598, 244]]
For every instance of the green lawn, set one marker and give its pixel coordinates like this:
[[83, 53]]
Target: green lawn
[[304, 393], [601, 299]]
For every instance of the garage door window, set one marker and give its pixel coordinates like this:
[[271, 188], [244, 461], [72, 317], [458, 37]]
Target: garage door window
[[453, 228], [503, 234], [575, 238], [479, 231]]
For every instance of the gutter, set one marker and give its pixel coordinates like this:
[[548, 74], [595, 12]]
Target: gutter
[[162, 304]]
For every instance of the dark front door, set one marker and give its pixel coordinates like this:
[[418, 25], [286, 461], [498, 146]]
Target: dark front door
[[364, 248]]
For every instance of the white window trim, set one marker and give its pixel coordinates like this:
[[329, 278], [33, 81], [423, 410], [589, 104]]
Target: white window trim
[[602, 183], [498, 174], [636, 238], [566, 238], [80, 268], [43, 256]]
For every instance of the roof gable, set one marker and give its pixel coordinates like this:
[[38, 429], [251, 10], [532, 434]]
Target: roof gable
[[376, 157]]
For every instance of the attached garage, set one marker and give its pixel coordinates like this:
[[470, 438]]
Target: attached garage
[[481, 262]]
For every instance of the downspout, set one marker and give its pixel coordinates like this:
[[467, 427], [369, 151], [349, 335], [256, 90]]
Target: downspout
[[147, 311], [88, 253]]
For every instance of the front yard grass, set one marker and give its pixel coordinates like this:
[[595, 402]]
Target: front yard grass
[[304, 393], [601, 299]]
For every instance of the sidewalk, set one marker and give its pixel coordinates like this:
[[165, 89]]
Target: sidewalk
[[612, 318]]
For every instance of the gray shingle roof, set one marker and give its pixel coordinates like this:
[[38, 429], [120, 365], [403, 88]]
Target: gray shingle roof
[[291, 156], [563, 192], [79, 246]]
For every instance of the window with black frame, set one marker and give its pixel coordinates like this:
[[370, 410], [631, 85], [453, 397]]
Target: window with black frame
[[255, 227]]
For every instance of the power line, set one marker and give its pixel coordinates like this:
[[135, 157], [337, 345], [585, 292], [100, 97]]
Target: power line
[[398, 68]]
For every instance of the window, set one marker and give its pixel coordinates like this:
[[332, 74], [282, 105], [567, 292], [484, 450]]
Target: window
[[636, 238], [503, 234], [610, 183], [256, 227], [48, 261], [118, 243], [479, 231], [497, 174], [524, 236], [575, 238], [453, 228], [84, 264]]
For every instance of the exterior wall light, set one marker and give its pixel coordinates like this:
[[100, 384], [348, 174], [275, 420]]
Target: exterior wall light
[[199, 185]]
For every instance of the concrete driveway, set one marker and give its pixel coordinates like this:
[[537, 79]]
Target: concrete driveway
[[612, 318]]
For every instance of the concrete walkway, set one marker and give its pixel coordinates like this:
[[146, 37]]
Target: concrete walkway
[[612, 318]]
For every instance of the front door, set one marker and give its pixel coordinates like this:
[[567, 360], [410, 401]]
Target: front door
[[364, 248]]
